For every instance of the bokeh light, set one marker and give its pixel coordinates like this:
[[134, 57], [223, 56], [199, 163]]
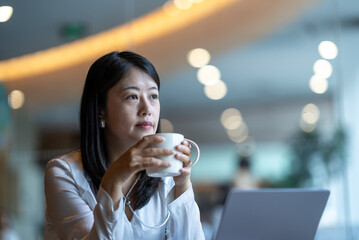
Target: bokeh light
[[323, 68], [170, 8], [328, 50], [5, 13], [310, 113], [208, 75], [166, 126], [231, 118], [182, 4], [306, 127], [16, 99], [318, 84], [239, 134], [198, 57], [216, 91]]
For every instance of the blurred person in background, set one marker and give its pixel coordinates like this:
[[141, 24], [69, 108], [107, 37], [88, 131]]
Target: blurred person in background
[[244, 179], [102, 191], [6, 232]]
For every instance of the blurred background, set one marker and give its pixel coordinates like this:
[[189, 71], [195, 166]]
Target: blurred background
[[268, 89]]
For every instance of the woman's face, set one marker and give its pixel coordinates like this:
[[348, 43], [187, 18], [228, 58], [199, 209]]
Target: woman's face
[[132, 109]]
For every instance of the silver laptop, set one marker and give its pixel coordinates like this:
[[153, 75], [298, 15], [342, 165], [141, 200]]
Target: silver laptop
[[271, 214]]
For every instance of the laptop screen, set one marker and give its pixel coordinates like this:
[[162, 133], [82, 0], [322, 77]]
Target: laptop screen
[[272, 214]]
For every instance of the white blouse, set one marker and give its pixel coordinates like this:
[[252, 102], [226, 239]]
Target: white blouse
[[73, 212]]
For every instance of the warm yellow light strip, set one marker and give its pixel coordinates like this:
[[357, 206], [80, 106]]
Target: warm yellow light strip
[[139, 31]]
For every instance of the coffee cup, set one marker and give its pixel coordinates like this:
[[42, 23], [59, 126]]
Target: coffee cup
[[171, 141]]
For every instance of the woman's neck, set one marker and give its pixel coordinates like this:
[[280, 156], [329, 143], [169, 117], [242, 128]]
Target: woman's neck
[[116, 149]]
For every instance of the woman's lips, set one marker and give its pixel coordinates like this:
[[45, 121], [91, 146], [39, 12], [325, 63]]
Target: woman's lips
[[145, 125]]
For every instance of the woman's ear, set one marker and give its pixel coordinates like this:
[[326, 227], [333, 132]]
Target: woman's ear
[[101, 113]]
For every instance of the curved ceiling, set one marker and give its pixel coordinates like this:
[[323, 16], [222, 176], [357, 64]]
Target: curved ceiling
[[162, 38]]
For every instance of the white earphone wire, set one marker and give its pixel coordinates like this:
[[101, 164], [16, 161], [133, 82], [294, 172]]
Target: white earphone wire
[[128, 203]]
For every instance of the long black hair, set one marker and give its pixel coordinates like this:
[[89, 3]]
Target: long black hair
[[102, 76]]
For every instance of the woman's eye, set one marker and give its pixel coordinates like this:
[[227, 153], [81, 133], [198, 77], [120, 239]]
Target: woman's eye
[[154, 96], [132, 97]]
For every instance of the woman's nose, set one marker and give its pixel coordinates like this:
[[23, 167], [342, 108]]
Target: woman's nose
[[145, 107]]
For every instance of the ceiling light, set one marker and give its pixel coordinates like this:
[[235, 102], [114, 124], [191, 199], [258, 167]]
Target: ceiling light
[[16, 99], [238, 139], [216, 91], [323, 68], [310, 113], [318, 84], [328, 50], [231, 118], [242, 130], [198, 57], [306, 127], [182, 4], [170, 8], [227, 113], [208, 75], [5, 13], [233, 122]]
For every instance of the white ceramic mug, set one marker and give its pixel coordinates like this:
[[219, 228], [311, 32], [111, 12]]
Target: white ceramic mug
[[170, 142]]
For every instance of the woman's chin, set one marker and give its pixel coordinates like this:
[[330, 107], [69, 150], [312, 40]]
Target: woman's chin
[[141, 134]]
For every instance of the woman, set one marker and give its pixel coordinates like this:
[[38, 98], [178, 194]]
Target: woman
[[102, 191]]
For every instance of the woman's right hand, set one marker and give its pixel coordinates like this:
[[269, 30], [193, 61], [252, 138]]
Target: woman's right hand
[[135, 159]]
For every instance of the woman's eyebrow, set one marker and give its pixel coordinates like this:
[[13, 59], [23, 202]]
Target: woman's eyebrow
[[153, 88], [137, 89], [130, 88]]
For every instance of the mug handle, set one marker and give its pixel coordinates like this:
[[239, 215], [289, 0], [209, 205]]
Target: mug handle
[[197, 149]]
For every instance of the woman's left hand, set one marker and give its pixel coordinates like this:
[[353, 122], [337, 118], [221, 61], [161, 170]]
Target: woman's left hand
[[183, 181]]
